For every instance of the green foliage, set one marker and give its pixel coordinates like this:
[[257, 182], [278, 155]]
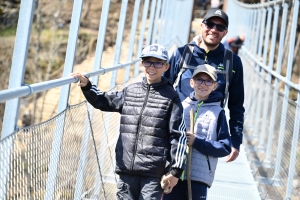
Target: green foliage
[[57, 62], [8, 31]]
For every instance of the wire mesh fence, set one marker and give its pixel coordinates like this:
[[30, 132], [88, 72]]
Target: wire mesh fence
[[269, 145], [86, 158]]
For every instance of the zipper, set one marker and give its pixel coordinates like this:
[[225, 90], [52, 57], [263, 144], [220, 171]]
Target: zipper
[[207, 158], [195, 117], [139, 125], [205, 56], [205, 59]]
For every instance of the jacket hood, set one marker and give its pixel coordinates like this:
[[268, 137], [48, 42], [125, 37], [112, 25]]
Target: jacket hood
[[214, 96]]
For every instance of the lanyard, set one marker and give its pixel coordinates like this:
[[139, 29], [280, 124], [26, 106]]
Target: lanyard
[[196, 113], [195, 117]]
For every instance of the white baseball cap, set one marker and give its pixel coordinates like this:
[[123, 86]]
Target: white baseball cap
[[156, 51]]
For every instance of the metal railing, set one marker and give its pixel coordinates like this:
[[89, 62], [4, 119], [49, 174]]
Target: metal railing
[[272, 118], [165, 17], [56, 159]]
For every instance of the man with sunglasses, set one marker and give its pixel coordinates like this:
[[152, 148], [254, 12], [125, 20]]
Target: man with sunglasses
[[208, 49], [152, 140]]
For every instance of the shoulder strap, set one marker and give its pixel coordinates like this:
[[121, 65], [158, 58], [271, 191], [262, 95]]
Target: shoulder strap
[[184, 61], [184, 65], [228, 64]]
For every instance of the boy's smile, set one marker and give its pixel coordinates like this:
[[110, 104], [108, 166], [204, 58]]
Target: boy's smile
[[202, 90], [153, 74]]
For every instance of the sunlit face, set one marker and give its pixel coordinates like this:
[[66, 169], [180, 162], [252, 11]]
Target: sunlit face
[[153, 74], [202, 91], [212, 37]]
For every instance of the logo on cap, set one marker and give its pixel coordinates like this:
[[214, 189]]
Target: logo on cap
[[153, 48], [218, 12]]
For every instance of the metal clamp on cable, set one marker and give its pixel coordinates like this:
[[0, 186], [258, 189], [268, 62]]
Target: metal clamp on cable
[[31, 90], [76, 79], [104, 70]]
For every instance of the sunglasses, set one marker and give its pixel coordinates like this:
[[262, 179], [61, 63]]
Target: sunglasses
[[219, 27], [155, 64], [207, 82]]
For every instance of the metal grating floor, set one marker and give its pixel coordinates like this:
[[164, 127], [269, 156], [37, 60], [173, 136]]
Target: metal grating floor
[[234, 180]]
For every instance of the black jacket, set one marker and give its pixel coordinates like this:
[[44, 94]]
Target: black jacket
[[152, 130], [236, 84]]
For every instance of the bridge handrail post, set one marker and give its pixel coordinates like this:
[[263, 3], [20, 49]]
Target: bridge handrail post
[[65, 91], [287, 88], [119, 39], [16, 80]]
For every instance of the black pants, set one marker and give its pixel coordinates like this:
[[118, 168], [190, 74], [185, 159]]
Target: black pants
[[134, 187], [180, 191]]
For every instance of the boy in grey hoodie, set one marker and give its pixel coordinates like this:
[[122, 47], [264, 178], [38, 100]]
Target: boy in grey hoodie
[[210, 138]]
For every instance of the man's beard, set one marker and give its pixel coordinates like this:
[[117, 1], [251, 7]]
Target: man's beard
[[211, 45]]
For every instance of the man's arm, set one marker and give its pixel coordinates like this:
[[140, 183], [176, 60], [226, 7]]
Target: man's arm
[[236, 108], [112, 102]]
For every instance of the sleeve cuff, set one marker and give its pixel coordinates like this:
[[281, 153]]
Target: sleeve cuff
[[235, 144], [197, 142], [87, 87], [176, 172]]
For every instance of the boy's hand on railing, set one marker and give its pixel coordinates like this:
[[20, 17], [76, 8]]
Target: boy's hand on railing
[[83, 81]]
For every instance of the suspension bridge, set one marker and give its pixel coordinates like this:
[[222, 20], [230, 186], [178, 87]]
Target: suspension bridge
[[70, 153]]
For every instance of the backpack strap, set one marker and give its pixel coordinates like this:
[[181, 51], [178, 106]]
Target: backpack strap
[[183, 64], [228, 64]]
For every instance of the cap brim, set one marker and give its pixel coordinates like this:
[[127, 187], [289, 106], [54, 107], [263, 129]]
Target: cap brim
[[217, 17], [155, 56], [205, 73]]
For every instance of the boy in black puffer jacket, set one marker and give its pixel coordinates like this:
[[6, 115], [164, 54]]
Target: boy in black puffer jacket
[[152, 140]]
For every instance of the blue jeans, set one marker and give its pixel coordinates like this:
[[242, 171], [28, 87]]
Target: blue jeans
[[180, 191], [135, 187]]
